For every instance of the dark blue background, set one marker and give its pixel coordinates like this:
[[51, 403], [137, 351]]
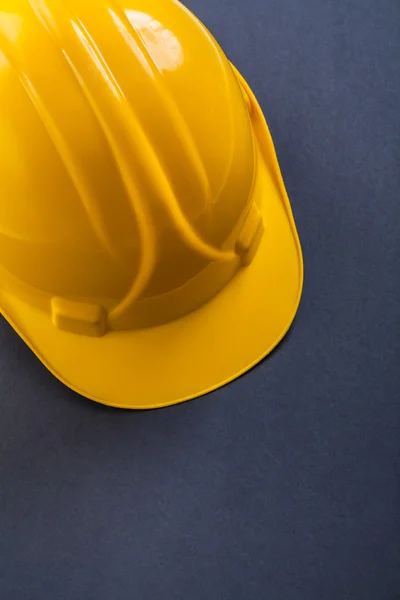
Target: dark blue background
[[285, 484]]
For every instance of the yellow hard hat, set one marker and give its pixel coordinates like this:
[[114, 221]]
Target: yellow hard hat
[[148, 252]]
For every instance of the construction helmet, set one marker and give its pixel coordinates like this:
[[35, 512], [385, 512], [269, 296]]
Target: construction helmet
[[148, 252]]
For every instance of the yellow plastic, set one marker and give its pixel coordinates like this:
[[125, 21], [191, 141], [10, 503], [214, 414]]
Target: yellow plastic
[[148, 253]]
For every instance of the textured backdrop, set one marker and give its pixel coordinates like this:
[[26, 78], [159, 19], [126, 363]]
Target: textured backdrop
[[285, 484]]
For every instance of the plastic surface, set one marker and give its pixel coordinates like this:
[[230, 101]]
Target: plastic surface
[[148, 251]]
